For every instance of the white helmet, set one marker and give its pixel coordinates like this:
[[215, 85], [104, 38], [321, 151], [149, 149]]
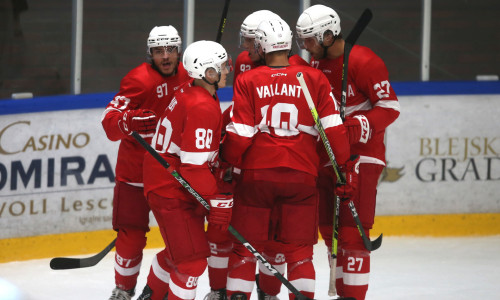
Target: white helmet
[[164, 36], [273, 35], [203, 55], [317, 19], [253, 20]]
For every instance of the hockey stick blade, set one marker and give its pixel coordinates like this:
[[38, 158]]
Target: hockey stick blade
[[65, 263], [360, 25]]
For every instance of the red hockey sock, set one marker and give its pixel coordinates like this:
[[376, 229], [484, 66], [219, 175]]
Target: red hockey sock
[[159, 276], [355, 263], [217, 264], [241, 273], [184, 280], [268, 283], [301, 274], [356, 273], [128, 257]]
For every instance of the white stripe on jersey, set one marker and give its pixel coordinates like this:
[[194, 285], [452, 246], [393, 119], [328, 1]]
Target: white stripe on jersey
[[391, 104], [367, 105], [159, 272], [331, 121], [196, 158], [241, 129]]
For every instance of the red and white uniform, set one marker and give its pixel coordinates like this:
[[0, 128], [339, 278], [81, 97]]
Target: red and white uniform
[[142, 88], [272, 138], [187, 137], [244, 63], [370, 94]]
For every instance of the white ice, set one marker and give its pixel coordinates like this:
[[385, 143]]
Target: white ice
[[403, 268]]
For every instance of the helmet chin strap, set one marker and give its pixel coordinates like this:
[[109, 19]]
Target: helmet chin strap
[[325, 48], [215, 84]]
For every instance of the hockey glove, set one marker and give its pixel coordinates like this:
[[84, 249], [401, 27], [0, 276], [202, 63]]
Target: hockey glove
[[358, 129], [220, 212], [141, 120], [350, 170]]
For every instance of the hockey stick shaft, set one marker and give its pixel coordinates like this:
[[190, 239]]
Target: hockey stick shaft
[[204, 202], [360, 25], [223, 20], [370, 246], [64, 263]]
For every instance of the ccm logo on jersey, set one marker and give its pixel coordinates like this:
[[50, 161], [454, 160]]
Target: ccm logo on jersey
[[278, 74], [365, 129]]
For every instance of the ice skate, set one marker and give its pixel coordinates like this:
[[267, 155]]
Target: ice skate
[[119, 294], [216, 295]]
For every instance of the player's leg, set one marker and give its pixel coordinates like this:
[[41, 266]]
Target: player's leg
[[221, 245], [181, 224], [251, 218], [130, 220], [354, 257], [297, 230]]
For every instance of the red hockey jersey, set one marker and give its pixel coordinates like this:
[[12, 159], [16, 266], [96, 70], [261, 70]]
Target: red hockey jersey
[[142, 88], [271, 124], [369, 93], [244, 63], [188, 137]]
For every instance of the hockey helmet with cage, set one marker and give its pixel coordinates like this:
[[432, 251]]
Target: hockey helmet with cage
[[253, 20], [164, 36], [203, 55], [273, 35], [315, 21]]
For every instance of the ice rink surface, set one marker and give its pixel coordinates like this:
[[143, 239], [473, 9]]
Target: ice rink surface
[[403, 268]]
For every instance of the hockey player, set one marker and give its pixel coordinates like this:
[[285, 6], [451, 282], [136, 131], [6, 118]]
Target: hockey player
[[144, 93], [371, 106], [272, 139], [187, 136], [247, 60]]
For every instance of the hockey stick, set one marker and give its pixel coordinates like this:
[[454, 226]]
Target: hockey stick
[[231, 229], [223, 20], [369, 245], [64, 263], [351, 39]]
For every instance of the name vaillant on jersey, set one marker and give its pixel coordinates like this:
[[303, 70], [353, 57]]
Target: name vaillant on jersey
[[279, 89]]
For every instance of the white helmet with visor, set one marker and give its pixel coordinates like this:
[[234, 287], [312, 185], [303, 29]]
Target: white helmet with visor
[[201, 56], [164, 36], [315, 21]]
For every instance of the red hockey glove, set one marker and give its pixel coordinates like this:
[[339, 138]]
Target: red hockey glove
[[141, 120], [350, 170], [220, 212], [358, 129]]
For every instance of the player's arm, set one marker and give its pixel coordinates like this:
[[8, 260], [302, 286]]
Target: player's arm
[[240, 130], [123, 115], [374, 83]]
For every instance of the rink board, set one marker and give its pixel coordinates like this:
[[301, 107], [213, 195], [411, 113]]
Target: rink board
[[57, 170]]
